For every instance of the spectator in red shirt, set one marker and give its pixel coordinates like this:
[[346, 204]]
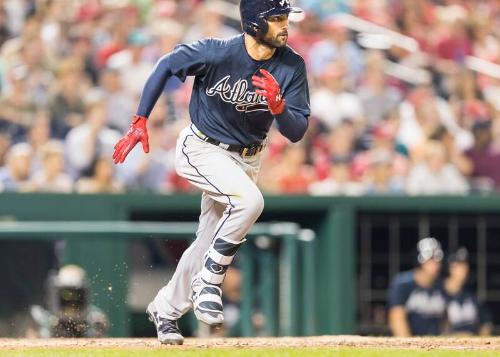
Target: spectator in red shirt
[[292, 174]]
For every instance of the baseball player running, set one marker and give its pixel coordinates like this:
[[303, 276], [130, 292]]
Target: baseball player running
[[242, 84]]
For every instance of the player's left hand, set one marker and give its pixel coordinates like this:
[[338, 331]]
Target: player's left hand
[[270, 89]]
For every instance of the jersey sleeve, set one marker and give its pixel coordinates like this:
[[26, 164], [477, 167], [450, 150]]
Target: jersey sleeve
[[190, 60], [397, 294], [293, 122], [297, 94], [185, 60]]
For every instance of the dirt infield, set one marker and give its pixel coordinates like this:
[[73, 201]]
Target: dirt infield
[[425, 344]]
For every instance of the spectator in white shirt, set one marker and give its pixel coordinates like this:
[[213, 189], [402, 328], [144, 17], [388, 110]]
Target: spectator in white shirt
[[90, 139], [435, 175], [51, 177], [331, 103]]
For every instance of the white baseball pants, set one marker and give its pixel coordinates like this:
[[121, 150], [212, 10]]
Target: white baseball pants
[[230, 205]]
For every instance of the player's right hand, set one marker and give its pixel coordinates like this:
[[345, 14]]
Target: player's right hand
[[137, 132]]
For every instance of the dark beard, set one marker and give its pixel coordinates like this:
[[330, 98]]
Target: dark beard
[[270, 42]]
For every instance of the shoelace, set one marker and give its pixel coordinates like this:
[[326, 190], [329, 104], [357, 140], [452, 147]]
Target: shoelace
[[167, 326]]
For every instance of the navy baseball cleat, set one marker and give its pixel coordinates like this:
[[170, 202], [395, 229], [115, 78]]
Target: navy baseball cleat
[[207, 302], [168, 331]]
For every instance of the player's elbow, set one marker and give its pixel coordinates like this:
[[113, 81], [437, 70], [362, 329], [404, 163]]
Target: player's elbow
[[297, 134], [296, 138]]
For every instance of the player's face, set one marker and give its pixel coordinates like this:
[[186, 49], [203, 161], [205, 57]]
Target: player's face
[[277, 34], [432, 267], [459, 271]]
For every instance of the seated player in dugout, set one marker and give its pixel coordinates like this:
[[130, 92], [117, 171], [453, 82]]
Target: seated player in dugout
[[465, 314], [242, 85], [416, 300]]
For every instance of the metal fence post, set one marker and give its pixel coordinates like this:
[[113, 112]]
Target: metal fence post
[[288, 275], [308, 287], [268, 277], [247, 296]]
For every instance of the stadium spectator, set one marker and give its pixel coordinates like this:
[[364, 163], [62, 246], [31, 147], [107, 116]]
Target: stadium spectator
[[51, 177], [37, 136], [120, 103], [379, 177], [292, 175], [416, 300], [435, 174], [5, 143], [332, 94], [132, 64], [100, 177], [90, 139], [465, 314], [336, 46], [4, 28], [383, 147], [17, 107], [208, 21], [326, 8], [485, 157], [66, 104], [378, 98], [339, 181], [422, 114], [15, 175]]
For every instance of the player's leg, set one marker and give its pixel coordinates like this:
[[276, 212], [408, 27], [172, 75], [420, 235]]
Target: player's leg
[[173, 300], [222, 176], [214, 171]]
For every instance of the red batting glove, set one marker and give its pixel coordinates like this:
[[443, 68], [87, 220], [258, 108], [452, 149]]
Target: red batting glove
[[137, 132], [270, 89]]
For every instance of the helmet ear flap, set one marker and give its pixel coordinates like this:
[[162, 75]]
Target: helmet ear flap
[[263, 28], [251, 28], [256, 29]]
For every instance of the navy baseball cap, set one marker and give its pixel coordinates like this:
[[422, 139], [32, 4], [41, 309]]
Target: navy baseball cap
[[460, 256]]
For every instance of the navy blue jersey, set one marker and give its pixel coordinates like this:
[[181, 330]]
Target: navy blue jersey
[[224, 104], [465, 313], [425, 307]]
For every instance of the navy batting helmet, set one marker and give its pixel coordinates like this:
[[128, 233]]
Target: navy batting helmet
[[254, 14]]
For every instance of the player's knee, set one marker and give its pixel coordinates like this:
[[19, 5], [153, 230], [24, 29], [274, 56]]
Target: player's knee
[[253, 203]]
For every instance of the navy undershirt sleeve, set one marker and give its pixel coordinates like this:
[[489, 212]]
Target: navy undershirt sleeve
[[185, 60], [292, 125], [293, 122]]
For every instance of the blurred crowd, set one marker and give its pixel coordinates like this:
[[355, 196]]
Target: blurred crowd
[[387, 118]]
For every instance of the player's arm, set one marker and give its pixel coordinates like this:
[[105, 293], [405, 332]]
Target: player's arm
[[486, 330], [398, 322], [485, 320], [185, 60], [290, 109]]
